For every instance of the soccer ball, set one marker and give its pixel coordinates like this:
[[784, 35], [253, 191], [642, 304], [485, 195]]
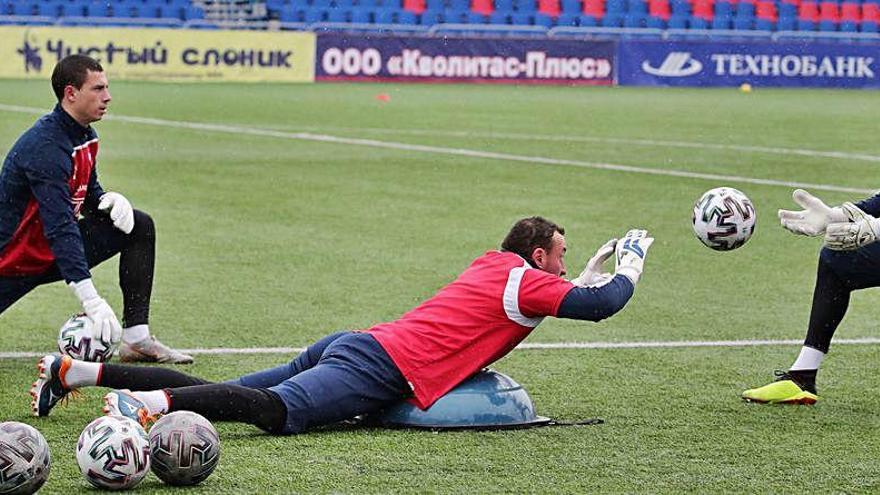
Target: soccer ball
[[76, 339], [724, 218], [184, 448], [113, 453], [24, 458]]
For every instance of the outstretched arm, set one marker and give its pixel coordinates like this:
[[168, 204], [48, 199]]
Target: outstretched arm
[[597, 303]]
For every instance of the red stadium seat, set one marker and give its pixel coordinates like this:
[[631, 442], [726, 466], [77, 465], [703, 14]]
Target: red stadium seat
[[414, 6], [704, 9], [849, 11], [594, 8], [828, 11], [485, 7], [659, 9], [808, 11], [871, 12], [549, 7], [766, 10]]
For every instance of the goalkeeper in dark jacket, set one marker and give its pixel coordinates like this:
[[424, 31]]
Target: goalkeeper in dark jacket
[[56, 221], [849, 261]]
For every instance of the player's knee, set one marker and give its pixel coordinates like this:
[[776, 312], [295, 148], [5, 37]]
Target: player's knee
[[144, 227]]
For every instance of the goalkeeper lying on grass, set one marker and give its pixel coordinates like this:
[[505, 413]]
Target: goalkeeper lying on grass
[[472, 322]]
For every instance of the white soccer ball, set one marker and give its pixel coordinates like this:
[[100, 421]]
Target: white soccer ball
[[76, 339], [113, 453], [24, 458], [724, 218], [184, 448]]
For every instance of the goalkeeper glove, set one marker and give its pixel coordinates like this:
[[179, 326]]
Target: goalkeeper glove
[[106, 327], [630, 254], [593, 276], [121, 211], [814, 218], [863, 229]]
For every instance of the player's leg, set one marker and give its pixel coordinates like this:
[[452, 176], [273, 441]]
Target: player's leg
[[354, 376], [838, 274], [14, 288], [304, 361], [60, 375], [137, 259]]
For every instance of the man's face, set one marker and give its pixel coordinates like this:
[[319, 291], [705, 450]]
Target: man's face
[[552, 260], [89, 103]]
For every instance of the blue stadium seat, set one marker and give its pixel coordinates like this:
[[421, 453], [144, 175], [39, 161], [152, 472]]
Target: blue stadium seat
[[615, 6], [848, 27], [454, 17], [786, 24], [431, 17], [721, 22], [805, 25], [54, 9], [723, 9], [319, 4], [612, 20], [192, 12], [571, 6], [521, 19], [435, 4], [764, 24], [171, 11], [503, 5], [460, 5], [544, 20], [98, 9], [525, 6], [392, 4], [338, 15], [827, 26], [743, 23], [787, 9], [568, 20], [678, 21], [499, 18], [869, 27], [23, 8], [475, 18], [655, 22], [634, 21], [290, 14], [343, 4], [698, 23], [365, 16], [587, 21], [745, 9], [637, 7], [314, 15], [276, 5]]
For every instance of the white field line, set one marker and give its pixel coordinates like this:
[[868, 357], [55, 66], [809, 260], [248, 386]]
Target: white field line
[[528, 346], [305, 136]]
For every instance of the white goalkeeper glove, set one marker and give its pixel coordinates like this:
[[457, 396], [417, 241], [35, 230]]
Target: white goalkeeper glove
[[814, 218], [106, 326], [630, 254], [863, 229], [593, 276], [121, 211]]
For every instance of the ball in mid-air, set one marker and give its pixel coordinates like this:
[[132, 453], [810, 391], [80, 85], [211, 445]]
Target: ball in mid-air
[[724, 218]]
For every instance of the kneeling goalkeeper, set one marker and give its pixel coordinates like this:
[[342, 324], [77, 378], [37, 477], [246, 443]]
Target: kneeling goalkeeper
[[472, 322]]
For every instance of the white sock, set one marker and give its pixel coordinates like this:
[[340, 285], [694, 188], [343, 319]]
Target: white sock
[[135, 334], [808, 359], [155, 400], [82, 374]]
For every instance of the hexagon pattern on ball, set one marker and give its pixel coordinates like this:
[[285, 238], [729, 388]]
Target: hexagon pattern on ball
[[185, 448], [113, 453], [24, 458]]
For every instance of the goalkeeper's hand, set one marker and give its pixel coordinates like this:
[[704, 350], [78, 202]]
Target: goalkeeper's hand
[[861, 230], [630, 254], [593, 276], [814, 218], [121, 211], [105, 325]]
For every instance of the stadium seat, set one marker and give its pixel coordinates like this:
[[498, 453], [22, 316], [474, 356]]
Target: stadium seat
[[743, 23], [612, 20], [571, 6], [637, 7], [435, 5], [766, 10], [431, 17], [24, 8], [521, 19], [721, 22], [171, 11], [593, 8], [192, 13], [484, 7], [871, 13], [567, 20], [615, 7], [786, 24], [475, 18], [681, 7], [365, 16], [499, 18], [659, 9], [745, 9], [338, 15], [290, 14], [549, 8], [848, 27], [525, 6], [678, 21], [698, 23], [406, 17], [787, 9], [634, 21], [808, 11], [314, 15], [723, 9], [414, 6], [504, 6], [806, 25], [869, 27], [654, 22], [588, 21], [544, 20]]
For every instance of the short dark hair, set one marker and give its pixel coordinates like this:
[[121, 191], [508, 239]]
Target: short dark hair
[[73, 70], [529, 234]]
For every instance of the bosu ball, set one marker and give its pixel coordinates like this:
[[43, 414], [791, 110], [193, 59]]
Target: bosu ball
[[488, 400]]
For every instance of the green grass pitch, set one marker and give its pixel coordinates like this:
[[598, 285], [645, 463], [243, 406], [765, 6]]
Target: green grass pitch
[[270, 241]]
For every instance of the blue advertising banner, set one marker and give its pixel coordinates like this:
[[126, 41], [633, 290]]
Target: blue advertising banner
[[655, 63], [527, 61]]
